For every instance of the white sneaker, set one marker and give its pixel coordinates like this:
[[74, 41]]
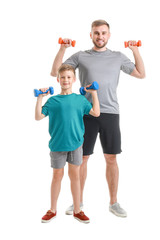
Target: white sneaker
[[117, 210], [69, 210]]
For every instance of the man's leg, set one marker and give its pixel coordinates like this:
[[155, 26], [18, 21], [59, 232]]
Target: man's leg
[[112, 176]]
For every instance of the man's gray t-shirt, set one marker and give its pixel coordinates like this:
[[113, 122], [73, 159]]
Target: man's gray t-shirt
[[104, 68]]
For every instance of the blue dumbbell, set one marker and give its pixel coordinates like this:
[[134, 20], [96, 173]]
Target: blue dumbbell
[[38, 92], [94, 86]]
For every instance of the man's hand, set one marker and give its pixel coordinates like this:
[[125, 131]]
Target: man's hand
[[132, 45], [67, 42]]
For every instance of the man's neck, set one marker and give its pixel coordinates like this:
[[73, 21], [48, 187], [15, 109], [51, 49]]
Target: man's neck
[[99, 49]]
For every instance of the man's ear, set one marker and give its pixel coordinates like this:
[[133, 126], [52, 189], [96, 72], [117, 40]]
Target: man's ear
[[90, 35]]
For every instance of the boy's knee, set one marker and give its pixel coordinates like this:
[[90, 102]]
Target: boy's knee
[[58, 174], [73, 174]]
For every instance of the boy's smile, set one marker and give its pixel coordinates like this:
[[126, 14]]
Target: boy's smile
[[66, 79]]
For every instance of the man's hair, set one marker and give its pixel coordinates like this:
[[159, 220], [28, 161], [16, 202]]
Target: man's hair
[[100, 23], [66, 67]]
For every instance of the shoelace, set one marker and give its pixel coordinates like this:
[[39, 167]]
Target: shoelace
[[81, 213], [49, 212]]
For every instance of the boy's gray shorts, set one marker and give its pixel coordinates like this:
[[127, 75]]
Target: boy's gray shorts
[[59, 159]]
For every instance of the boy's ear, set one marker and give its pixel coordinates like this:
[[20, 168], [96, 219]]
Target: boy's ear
[[74, 79], [57, 79]]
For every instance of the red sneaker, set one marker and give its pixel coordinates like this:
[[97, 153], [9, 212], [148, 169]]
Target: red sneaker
[[81, 217], [48, 217]]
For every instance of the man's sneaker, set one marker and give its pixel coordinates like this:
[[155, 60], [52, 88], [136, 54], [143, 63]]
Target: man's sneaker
[[48, 216], [69, 210], [117, 210], [81, 217]]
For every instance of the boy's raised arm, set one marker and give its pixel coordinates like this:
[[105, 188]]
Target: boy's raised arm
[[95, 111], [38, 109]]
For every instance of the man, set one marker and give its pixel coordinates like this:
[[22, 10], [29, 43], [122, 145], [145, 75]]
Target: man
[[102, 65]]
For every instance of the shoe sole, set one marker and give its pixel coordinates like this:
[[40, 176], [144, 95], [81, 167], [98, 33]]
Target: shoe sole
[[87, 221], [118, 215], [71, 212], [46, 221]]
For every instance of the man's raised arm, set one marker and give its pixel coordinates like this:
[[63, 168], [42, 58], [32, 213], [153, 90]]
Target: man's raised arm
[[59, 57]]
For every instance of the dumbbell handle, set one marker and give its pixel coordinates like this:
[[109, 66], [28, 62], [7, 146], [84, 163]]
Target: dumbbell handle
[[60, 41], [138, 44], [94, 86], [38, 92]]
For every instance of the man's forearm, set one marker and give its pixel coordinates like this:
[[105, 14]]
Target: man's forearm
[[139, 63], [57, 61]]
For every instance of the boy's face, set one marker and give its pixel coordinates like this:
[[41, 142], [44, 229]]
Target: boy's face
[[100, 36], [66, 79]]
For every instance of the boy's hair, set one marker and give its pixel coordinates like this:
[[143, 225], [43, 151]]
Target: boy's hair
[[66, 67], [100, 23]]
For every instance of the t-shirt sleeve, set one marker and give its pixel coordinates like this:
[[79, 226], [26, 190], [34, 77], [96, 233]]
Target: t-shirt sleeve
[[73, 60], [87, 106], [45, 108], [126, 65]]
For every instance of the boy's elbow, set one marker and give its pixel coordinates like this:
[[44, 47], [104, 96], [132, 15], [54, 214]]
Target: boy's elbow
[[37, 118], [97, 114]]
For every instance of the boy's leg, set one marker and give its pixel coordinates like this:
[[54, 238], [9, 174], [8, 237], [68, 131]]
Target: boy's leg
[[74, 175], [83, 176], [55, 187]]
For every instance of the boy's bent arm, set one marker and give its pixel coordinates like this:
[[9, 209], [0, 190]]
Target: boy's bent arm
[[95, 111], [38, 110]]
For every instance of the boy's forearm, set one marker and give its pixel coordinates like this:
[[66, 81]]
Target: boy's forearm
[[57, 61], [96, 107], [38, 109]]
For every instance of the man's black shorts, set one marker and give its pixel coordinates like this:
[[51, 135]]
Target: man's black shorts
[[107, 125]]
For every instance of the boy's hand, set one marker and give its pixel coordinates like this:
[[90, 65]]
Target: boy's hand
[[67, 43], [89, 90], [43, 90]]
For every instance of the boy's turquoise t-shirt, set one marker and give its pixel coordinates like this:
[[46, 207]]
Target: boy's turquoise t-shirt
[[66, 125]]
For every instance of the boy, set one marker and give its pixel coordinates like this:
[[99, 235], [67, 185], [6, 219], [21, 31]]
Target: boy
[[66, 127]]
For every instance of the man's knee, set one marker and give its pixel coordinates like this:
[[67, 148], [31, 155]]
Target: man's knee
[[85, 159], [110, 159]]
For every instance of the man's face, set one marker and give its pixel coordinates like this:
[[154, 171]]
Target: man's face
[[100, 36], [66, 79]]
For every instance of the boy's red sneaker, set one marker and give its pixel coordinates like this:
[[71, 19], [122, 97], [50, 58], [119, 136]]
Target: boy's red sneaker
[[81, 217], [48, 216]]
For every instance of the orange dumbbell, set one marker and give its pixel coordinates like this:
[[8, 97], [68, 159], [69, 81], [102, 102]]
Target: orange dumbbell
[[60, 41], [138, 44]]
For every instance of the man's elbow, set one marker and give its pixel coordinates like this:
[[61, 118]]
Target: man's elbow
[[142, 76], [53, 74]]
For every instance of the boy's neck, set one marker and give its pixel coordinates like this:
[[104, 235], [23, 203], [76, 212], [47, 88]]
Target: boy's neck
[[66, 92]]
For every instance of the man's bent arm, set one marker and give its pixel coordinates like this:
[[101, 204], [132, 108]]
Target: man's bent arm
[[139, 71]]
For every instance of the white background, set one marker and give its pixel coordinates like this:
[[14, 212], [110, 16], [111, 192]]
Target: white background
[[28, 45]]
